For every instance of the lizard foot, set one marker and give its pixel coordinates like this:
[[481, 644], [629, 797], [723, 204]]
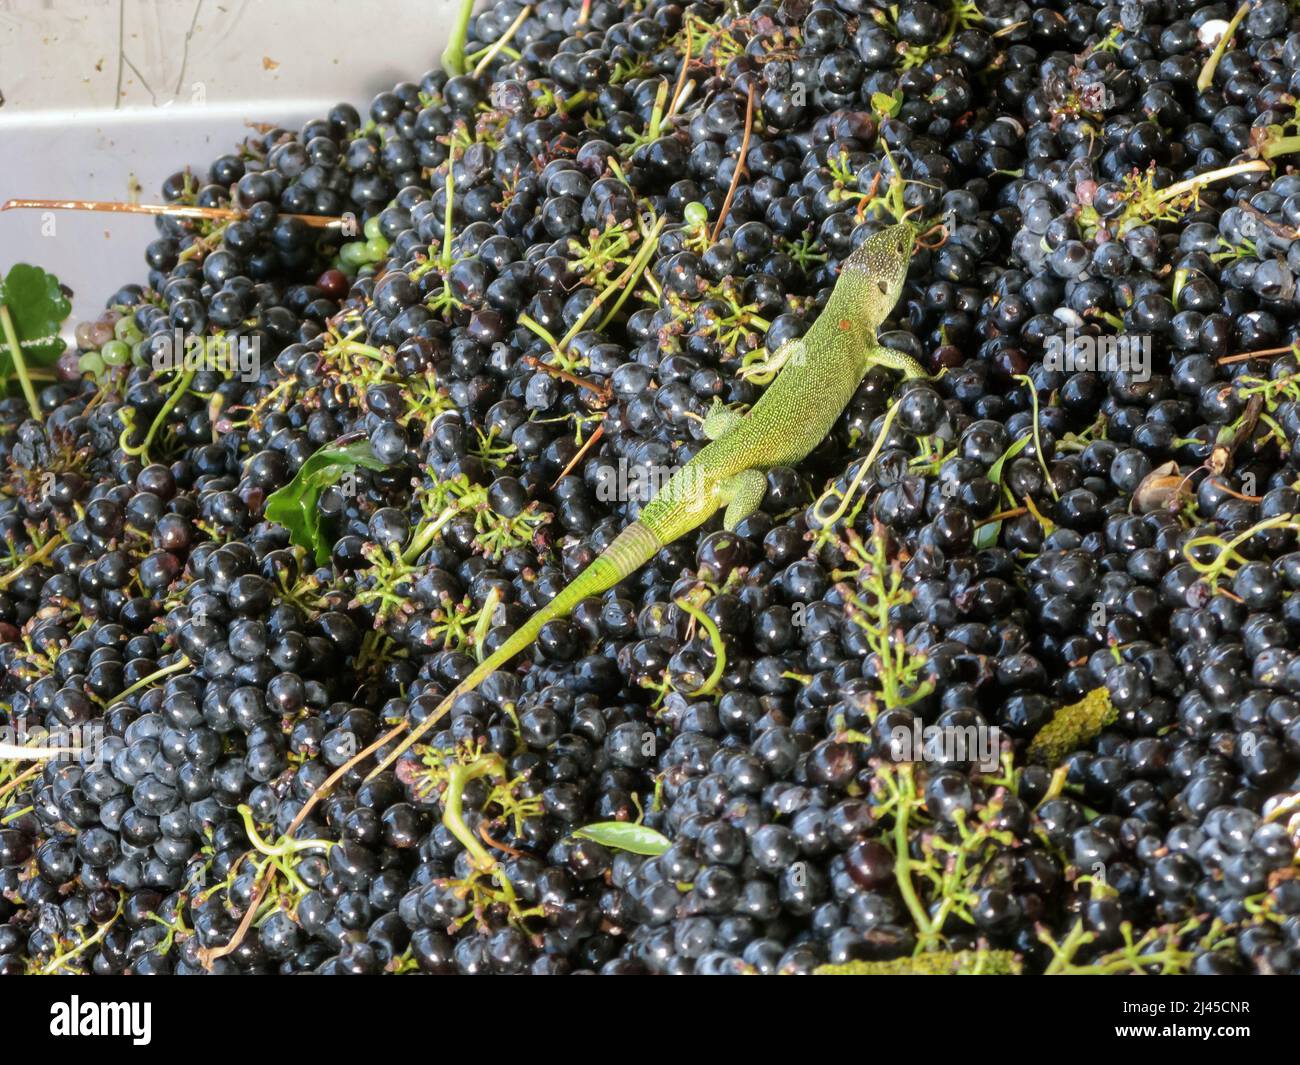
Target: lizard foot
[[743, 493], [720, 420]]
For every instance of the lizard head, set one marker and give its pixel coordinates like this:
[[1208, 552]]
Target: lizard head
[[872, 278]]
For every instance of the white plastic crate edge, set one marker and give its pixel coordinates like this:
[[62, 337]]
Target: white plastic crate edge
[[102, 95]]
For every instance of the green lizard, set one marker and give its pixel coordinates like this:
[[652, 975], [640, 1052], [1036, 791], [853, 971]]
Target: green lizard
[[817, 380]]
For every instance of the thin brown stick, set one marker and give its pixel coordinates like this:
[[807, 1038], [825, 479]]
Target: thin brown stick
[[922, 240], [564, 375], [1221, 457], [1235, 494], [22, 778], [503, 40], [686, 95], [681, 79], [1290, 232], [497, 844], [1246, 356], [259, 892], [740, 165], [591, 440], [1014, 512], [220, 214]]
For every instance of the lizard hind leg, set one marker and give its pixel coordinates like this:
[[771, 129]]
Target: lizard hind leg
[[742, 493]]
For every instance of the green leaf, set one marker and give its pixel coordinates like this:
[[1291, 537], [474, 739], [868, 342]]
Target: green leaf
[[995, 471], [886, 104], [625, 836], [38, 308], [987, 535], [295, 505]]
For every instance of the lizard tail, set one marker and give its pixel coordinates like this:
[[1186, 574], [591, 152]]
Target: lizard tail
[[629, 551]]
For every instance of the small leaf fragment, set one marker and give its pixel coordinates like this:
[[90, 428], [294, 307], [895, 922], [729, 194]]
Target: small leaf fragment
[[987, 535], [295, 505], [995, 471], [885, 104], [625, 836]]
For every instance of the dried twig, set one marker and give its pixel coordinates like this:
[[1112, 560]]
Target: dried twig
[[740, 165], [573, 462], [174, 210]]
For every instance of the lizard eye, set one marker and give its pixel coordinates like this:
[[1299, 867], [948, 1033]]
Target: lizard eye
[[884, 287]]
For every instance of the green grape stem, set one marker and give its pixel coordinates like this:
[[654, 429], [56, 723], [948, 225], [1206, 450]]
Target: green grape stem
[[20, 364]]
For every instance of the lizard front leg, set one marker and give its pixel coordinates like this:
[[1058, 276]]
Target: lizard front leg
[[742, 493], [879, 355], [720, 420]]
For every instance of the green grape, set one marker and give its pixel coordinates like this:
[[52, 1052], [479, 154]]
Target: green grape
[[371, 229], [696, 213], [376, 249], [126, 330], [91, 363], [115, 353], [354, 254]]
